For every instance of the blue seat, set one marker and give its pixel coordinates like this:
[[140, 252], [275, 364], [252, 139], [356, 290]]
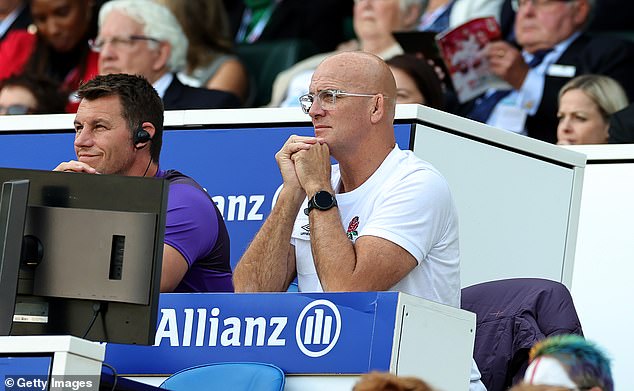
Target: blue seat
[[235, 376]]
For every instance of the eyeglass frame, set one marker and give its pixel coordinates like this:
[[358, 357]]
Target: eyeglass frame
[[97, 47], [335, 93], [24, 109], [515, 4]]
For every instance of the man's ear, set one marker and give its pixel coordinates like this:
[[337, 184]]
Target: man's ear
[[149, 127], [378, 110], [164, 53], [582, 12]]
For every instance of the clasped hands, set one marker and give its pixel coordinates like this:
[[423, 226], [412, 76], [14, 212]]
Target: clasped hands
[[304, 163]]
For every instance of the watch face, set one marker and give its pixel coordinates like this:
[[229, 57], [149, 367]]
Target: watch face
[[324, 200]]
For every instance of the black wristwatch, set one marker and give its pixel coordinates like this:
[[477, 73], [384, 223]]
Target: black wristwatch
[[322, 200]]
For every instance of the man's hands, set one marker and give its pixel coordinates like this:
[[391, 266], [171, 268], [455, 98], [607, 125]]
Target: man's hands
[[507, 63], [305, 164], [75, 166]]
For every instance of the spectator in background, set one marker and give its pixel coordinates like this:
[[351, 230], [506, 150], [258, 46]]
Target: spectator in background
[[441, 15], [14, 15], [211, 62], [320, 22], [610, 16], [416, 81], [373, 22], [144, 38], [59, 49], [571, 362], [585, 106], [26, 94], [554, 49], [622, 126], [381, 381]]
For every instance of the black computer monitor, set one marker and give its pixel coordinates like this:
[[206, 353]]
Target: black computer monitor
[[89, 251]]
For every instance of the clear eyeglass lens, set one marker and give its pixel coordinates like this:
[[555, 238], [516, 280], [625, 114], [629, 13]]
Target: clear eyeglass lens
[[327, 99]]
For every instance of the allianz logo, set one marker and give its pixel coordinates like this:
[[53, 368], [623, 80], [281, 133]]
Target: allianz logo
[[317, 329], [243, 207]]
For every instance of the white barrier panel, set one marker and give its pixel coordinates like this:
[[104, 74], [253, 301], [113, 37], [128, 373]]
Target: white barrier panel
[[602, 286]]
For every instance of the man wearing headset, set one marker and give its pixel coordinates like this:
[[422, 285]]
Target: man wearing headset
[[118, 130]]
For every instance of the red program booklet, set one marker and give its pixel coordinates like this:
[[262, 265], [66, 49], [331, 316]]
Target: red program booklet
[[461, 48]]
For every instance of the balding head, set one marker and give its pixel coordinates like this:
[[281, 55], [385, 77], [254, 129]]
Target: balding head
[[359, 72]]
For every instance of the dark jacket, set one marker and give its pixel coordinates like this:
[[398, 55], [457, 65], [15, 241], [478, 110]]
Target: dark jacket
[[512, 315], [181, 97], [622, 126]]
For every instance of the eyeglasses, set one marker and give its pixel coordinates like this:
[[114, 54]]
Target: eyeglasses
[[517, 4], [327, 99], [96, 45], [15, 110]]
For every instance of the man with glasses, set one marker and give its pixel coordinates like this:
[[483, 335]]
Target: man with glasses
[[553, 49], [142, 37], [381, 219]]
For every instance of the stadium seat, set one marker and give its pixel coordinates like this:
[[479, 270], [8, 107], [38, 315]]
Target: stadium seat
[[235, 376]]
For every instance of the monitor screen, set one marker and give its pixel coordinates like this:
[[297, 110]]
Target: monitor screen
[[89, 251]]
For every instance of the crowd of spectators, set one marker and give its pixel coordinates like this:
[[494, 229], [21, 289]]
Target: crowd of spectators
[[566, 85], [192, 47]]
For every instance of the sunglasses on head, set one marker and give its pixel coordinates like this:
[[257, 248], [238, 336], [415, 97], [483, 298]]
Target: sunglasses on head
[[15, 110]]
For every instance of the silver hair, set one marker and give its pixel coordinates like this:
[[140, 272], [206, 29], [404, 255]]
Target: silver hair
[[158, 22], [606, 92], [422, 5]]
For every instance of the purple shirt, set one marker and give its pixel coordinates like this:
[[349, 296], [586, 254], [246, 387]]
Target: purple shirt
[[195, 228]]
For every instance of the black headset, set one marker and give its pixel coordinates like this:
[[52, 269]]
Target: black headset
[[140, 136]]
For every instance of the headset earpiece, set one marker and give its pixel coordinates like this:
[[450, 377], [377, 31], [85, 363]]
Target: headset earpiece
[[140, 136]]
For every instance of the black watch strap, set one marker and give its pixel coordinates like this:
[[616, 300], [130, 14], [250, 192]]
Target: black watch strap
[[322, 200]]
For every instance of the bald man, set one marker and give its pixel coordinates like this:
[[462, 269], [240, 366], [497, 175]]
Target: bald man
[[381, 219]]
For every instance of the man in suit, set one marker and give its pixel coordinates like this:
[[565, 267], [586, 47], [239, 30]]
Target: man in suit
[[622, 126], [14, 15], [143, 37], [553, 50]]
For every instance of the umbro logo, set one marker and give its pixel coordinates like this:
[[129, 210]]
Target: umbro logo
[[306, 228]]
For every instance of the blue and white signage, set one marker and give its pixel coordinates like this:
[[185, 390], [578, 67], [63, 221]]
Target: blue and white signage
[[301, 333], [236, 166]]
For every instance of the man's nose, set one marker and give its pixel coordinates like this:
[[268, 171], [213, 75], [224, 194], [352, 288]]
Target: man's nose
[[83, 139], [315, 109]]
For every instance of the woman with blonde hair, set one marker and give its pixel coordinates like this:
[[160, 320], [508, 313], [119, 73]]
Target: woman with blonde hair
[[585, 106]]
